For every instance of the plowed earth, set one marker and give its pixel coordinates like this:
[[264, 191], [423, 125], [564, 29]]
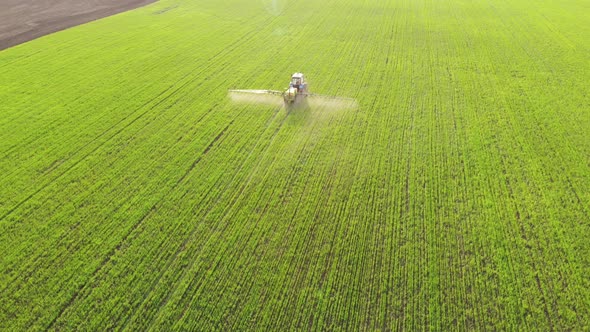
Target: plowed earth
[[23, 20]]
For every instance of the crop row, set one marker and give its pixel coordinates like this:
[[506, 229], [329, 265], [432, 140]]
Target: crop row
[[452, 197]]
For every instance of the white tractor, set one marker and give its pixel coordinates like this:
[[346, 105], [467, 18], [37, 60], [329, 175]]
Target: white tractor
[[295, 94], [296, 91]]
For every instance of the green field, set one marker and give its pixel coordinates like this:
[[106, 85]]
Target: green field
[[135, 195]]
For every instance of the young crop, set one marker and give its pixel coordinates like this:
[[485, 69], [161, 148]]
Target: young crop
[[135, 195]]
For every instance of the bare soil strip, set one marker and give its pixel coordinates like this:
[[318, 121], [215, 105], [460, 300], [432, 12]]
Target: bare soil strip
[[24, 20]]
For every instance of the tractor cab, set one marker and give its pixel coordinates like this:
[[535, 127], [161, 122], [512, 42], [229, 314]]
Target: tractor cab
[[295, 95], [297, 89], [298, 82]]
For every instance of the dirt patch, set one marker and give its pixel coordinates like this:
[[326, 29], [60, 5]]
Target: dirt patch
[[24, 20]]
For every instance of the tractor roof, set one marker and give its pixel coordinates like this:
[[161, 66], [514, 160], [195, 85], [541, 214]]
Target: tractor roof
[[297, 75]]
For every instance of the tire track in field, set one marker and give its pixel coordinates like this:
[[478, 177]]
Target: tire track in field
[[109, 256], [183, 245], [241, 41], [244, 39], [164, 270], [117, 247], [299, 280], [306, 237], [42, 104], [117, 132], [305, 273], [200, 157], [105, 260], [199, 120], [263, 201], [195, 229], [326, 184], [511, 178], [143, 218], [81, 159], [238, 194], [466, 272], [561, 244], [508, 179], [252, 173], [132, 229], [106, 132], [185, 242], [196, 162], [234, 200]]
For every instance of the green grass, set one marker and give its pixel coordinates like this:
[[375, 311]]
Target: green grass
[[456, 196]]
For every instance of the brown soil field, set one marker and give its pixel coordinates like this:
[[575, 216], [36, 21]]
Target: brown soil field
[[23, 20]]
